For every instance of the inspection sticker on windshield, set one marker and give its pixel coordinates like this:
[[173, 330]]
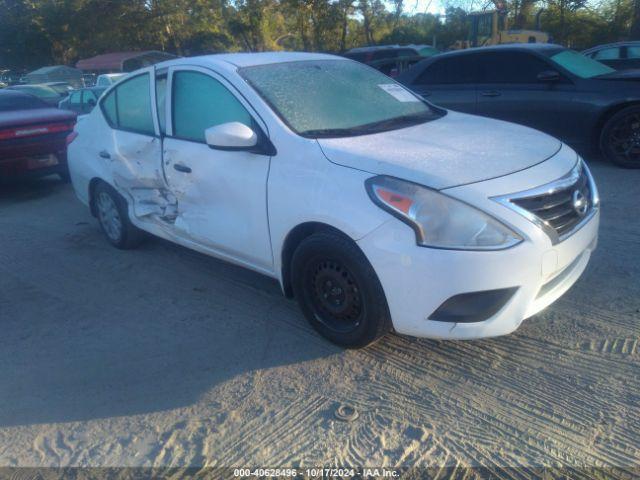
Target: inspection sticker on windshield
[[399, 93]]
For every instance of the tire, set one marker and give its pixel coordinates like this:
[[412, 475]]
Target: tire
[[620, 138], [338, 291], [112, 213]]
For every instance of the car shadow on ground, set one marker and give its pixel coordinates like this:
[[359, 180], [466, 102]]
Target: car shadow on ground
[[92, 332], [27, 190]]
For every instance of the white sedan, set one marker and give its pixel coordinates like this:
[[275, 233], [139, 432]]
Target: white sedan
[[375, 209]]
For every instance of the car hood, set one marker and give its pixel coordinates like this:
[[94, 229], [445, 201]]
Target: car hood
[[454, 150]]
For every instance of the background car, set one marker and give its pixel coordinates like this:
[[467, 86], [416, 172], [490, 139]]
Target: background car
[[384, 52], [559, 91], [33, 136], [45, 93], [621, 56], [108, 79], [83, 100], [63, 88]]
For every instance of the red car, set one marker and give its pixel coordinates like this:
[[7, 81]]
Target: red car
[[33, 137]]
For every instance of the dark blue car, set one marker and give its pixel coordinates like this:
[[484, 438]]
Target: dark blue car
[[548, 87]]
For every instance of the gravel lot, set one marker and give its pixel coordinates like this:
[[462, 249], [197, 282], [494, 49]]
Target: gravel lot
[[165, 357]]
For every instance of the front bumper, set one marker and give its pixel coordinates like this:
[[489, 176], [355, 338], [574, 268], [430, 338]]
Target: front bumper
[[418, 280]]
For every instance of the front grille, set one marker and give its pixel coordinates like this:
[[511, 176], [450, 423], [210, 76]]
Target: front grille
[[561, 207], [557, 209]]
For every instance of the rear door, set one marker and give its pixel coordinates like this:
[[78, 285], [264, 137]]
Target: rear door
[[509, 89], [134, 150], [449, 82]]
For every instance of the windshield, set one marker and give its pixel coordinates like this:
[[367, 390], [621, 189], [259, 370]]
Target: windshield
[[578, 64], [38, 90], [336, 98]]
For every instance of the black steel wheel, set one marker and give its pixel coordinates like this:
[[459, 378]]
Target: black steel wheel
[[335, 294], [620, 140], [338, 290]]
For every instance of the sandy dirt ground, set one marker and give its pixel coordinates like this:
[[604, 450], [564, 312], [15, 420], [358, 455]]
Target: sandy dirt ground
[[165, 357]]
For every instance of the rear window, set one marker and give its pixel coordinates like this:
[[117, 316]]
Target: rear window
[[9, 103]]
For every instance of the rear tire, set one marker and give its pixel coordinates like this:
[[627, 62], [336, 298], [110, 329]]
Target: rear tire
[[620, 138], [112, 212], [338, 290]]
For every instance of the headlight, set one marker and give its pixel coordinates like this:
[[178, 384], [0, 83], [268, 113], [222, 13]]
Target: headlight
[[438, 220]]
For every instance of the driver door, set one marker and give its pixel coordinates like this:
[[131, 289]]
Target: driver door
[[221, 195]]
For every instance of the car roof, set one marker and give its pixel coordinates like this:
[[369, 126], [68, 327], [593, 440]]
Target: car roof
[[375, 48], [542, 47], [241, 60], [611, 45]]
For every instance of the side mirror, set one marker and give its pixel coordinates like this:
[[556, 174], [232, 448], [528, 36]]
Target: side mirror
[[91, 102], [549, 76], [231, 136]]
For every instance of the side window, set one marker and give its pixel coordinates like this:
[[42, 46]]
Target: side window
[[75, 98], [134, 105], [87, 96], [161, 98], [633, 52], [607, 54], [510, 67], [128, 106], [109, 108], [459, 69], [199, 102]]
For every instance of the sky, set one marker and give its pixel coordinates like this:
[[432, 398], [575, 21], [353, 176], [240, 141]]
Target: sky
[[423, 6]]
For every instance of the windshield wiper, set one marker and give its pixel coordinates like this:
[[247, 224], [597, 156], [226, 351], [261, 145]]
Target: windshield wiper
[[404, 120], [374, 127], [331, 132]]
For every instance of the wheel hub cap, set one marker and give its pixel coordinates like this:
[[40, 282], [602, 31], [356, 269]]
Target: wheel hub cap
[[109, 216], [335, 295]]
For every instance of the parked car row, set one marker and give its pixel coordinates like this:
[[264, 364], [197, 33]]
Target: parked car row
[[36, 122], [33, 136]]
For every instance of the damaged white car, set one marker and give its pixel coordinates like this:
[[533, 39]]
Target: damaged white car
[[375, 209]]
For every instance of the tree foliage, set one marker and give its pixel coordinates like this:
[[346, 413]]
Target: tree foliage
[[42, 32]]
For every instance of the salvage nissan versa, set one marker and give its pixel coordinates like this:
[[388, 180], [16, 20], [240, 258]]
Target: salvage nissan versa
[[375, 209]]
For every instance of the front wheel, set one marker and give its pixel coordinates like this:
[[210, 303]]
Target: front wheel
[[111, 210], [338, 290], [620, 139]]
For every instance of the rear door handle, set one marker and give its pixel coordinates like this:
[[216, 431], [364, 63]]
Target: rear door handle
[[181, 168], [104, 154], [490, 93]]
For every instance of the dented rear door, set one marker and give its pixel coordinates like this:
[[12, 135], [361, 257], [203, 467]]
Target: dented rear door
[[136, 148]]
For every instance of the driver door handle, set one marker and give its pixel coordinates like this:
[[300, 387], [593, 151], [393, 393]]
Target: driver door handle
[[490, 93], [181, 168], [104, 154]]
